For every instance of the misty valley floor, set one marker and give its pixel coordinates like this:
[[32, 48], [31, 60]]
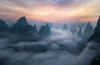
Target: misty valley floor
[[59, 49]]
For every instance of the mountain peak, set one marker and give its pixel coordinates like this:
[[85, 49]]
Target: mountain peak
[[88, 24], [0, 19], [80, 32], [2, 22], [22, 20], [21, 26], [23, 17], [45, 31], [3, 26], [96, 36], [98, 23]]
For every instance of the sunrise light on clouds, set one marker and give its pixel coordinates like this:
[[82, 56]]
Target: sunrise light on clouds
[[51, 10]]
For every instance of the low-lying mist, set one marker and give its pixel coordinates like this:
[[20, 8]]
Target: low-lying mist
[[61, 48]]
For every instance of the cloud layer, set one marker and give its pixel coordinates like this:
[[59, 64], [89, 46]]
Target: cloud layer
[[50, 10], [63, 50]]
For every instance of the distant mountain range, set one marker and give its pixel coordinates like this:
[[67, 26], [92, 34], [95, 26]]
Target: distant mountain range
[[25, 31], [22, 31]]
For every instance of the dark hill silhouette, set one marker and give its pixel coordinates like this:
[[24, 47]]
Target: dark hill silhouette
[[24, 31], [73, 29], [34, 29], [80, 32], [96, 36], [4, 29], [22, 27], [3, 26], [88, 32], [44, 31], [65, 27]]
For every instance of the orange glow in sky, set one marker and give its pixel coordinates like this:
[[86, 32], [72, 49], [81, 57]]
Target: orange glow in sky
[[51, 10]]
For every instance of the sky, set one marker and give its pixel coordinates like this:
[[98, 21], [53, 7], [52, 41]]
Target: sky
[[51, 10]]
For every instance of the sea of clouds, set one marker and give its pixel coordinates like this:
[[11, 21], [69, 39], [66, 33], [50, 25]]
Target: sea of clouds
[[61, 48]]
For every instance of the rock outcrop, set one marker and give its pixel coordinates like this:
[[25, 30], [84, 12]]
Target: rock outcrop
[[21, 27], [96, 36], [88, 32], [45, 31], [24, 31], [3, 26], [73, 29], [80, 32]]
